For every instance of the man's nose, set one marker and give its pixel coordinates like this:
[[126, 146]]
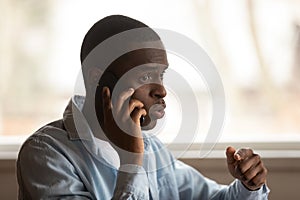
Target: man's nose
[[158, 91]]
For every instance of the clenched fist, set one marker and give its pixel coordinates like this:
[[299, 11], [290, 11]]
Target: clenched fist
[[246, 166]]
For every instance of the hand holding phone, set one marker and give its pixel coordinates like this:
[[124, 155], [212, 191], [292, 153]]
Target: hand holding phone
[[122, 122]]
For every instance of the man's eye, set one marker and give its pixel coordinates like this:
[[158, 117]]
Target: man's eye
[[145, 78]]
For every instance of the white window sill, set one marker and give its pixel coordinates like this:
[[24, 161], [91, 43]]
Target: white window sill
[[264, 149]]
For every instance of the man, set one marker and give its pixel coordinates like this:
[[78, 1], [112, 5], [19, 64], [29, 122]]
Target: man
[[98, 149]]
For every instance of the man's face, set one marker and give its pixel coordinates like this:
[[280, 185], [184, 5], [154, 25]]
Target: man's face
[[144, 73]]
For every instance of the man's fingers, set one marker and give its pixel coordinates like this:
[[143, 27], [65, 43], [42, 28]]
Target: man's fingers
[[243, 154], [236, 155], [136, 114], [107, 105], [251, 173], [246, 165], [259, 179], [133, 104], [122, 98], [255, 177], [230, 155]]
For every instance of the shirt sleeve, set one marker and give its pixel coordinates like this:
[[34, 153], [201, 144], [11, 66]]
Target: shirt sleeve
[[44, 173], [132, 183], [193, 185], [238, 191]]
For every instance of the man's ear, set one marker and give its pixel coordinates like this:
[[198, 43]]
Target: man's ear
[[94, 75]]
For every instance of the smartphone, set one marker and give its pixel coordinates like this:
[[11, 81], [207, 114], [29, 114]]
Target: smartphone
[[142, 119]]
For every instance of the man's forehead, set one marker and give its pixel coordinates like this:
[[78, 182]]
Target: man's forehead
[[142, 59], [149, 67]]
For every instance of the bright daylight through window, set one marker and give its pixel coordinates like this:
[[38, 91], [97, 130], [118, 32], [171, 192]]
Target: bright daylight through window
[[255, 46]]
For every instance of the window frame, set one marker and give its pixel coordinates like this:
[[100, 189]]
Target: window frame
[[10, 146]]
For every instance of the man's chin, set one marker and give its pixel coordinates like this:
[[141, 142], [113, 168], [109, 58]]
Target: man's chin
[[149, 126]]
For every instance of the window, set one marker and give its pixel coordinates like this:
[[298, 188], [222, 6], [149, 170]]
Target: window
[[254, 44]]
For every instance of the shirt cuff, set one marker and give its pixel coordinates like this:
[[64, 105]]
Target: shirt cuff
[[244, 193], [132, 182]]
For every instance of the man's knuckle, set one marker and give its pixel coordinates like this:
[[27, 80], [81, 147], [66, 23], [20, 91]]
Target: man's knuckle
[[265, 170], [257, 157], [246, 177]]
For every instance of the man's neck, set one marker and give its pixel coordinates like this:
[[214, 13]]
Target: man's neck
[[89, 113]]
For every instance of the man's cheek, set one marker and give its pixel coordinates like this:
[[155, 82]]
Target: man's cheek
[[140, 95]]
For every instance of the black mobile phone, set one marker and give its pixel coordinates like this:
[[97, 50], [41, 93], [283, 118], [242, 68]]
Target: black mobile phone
[[142, 119]]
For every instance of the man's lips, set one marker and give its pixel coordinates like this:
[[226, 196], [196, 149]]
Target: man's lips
[[158, 114], [157, 111]]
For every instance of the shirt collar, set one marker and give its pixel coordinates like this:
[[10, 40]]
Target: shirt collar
[[78, 129], [74, 121]]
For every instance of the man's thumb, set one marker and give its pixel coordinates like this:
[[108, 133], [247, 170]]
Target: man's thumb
[[230, 154]]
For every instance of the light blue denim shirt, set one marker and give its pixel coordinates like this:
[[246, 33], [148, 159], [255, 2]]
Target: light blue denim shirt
[[57, 163]]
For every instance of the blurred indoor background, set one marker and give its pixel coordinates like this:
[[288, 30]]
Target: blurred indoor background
[[255, 45]]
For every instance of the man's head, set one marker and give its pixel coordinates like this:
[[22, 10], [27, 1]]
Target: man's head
[[139, 68]]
